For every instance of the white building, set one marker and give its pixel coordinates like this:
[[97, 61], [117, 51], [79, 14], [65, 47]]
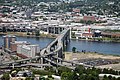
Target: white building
[[28, 50]]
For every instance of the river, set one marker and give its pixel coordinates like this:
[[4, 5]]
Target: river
[[100, 47]]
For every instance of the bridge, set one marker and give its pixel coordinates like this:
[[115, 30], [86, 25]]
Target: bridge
[[52, 54]]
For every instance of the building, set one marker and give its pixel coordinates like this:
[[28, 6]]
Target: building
[[7, 40], [110, 35], [54, 28], [97, 33], [76, 10], [25, 51], [13, 45], [89, 18], [87, 35]]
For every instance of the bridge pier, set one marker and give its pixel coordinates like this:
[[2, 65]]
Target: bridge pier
[[13, 65], [41, 60], [66, 41], [54, 47]]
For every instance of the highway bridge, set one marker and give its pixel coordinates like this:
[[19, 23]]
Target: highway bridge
[[52, 54]]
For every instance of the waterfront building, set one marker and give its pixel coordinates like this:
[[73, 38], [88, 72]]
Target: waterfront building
[[13, 45], [97, 33], [25, 51], [7, 40], [110, 35]]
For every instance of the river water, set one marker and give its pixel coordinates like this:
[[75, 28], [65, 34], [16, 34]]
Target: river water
[[100, 47]]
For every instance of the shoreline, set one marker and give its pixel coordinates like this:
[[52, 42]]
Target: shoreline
[[24, 34], [105, 41], [91, 55], [97, 60]]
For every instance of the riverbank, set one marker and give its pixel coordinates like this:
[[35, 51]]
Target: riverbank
[[95, 59], [89, 55], [24, 34], [105, 39]]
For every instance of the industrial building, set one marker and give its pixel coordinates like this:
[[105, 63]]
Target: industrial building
[[7, 40], [13, 45], [25, 51]]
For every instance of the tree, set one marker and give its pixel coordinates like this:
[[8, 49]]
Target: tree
[[37, 33], [4, 29], [73, 34], [29, 78], [1, 54], [67, 76], [28, 33], [118, 78], [105, 77], [25, 75], [74, 49], [42, 78], [63, 69], [5, 76], [80, 69], [100, 12]]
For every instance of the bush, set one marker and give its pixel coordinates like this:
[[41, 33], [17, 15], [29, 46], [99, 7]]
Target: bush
[[37, 33], [74, 49], [41, 72], [28, 33], [5, 76]]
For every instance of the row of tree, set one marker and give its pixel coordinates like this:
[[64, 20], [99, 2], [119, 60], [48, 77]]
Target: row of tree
[[79, 73]]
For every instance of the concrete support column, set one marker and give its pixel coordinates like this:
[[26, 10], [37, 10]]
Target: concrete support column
[[55, 47], [48, 29], [59, 31], [54, 30], [13, 65], [52, 48], [30, 60], [36, 60], [41, 60], [68, 38], [57, 56]]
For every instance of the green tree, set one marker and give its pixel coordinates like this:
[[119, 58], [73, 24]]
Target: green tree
[[118, 78], [74, 49], [100, 12], [63, 69], [29, 78], [105, 77], [42, 78], [37, 33], [73, 34], [28, 33], [80, 69], [5, 76], [67, 76]]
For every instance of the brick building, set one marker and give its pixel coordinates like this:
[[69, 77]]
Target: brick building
[[89, 18]]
